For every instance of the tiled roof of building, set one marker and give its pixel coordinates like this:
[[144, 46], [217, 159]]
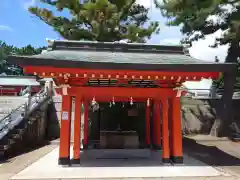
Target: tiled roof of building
[[117, 53], [111, 55], [18, 81]]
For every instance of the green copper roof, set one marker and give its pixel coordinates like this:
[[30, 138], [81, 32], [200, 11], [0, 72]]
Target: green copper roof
[[111, 52], [118, 57], [115, 55]]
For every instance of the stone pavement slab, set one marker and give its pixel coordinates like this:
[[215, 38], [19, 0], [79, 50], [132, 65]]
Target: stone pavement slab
[[150, 168], [18, 163], [223, 155], [160, 178]]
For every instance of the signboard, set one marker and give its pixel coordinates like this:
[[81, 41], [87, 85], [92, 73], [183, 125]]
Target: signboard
[[64, 115]]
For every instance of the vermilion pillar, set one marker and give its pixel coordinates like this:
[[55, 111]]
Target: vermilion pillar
[[154, 125], [170, 117], [65, 130], [165, 132], [148, 123], [77, 130], [85, 142], [157, 125], [176, 139]]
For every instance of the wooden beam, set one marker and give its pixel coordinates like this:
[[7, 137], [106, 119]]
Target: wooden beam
[[116, 99], [109, 92], [48, 71]]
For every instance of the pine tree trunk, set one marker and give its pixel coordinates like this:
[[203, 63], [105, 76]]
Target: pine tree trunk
[[222, 124]]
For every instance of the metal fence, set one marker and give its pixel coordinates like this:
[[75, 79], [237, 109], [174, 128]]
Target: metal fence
[[203, 93], [209, 94]]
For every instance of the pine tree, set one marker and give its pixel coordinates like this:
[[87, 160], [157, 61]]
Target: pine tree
[[199, 18], [6, 50], [99, 20]]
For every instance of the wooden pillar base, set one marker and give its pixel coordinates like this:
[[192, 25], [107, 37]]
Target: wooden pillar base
[[166, 160], [64, 161], [177, 159], [75, 161]]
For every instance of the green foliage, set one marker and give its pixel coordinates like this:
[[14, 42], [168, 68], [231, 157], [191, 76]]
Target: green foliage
[[6, 50], [99, 20], [199, 18]]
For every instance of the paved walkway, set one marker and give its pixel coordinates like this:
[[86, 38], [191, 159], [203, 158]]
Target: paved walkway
[[222, 154], [100, 164], [221, 165], [18, 163]]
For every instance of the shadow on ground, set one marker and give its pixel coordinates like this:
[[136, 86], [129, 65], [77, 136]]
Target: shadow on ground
[[210, 155], [199, 155], [195, 155], [19, 149]]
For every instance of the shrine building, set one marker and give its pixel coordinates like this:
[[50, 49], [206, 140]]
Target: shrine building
[[123, 73]]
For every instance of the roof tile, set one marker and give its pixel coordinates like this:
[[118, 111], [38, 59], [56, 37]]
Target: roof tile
[[119, 57]]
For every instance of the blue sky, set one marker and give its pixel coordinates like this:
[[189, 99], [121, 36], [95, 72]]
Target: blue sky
[[18, 27]]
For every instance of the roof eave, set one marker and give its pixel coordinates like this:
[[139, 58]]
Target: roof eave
[[208, 67]]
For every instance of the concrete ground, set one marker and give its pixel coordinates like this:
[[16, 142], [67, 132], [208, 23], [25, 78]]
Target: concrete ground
[[135, 163], [16, 164], [219, 153], [222, 157]]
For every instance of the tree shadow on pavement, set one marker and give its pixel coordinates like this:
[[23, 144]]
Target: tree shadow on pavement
[[210, 155], [19, 149]]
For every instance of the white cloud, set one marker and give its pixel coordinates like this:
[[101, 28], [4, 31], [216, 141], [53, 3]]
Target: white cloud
[[172, 36], [5, 28], [201, 49], [28, 3], [204, 84]]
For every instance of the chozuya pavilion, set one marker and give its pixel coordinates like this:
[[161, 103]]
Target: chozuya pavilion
[[129, 73]]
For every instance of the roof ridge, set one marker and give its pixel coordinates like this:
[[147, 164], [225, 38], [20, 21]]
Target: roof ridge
[[113, 46]]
